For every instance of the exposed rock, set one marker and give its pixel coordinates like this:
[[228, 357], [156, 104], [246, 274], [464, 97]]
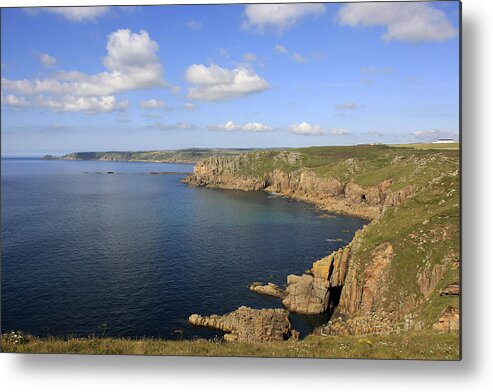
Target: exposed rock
[[359, 295], [429, 277], [449, 321], [250, 325], [451, 289], [268, 289], [372, 323], [307, 294], [301, 184], [398, 197]]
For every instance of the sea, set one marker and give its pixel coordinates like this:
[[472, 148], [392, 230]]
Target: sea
[[98, 248]]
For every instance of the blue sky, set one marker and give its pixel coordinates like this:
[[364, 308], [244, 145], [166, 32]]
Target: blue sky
[[166, 77]]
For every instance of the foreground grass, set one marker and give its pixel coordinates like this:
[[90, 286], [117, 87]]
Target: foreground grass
[[409, 345]]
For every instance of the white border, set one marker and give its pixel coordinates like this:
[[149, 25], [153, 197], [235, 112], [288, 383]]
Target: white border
[[86, 373]]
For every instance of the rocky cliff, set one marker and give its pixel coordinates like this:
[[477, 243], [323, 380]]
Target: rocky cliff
[[390, 276]]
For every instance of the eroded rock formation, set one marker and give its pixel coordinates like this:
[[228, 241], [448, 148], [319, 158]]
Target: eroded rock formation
[[250, 325]]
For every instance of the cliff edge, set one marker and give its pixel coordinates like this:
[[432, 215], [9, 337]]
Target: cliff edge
[[391, 276]]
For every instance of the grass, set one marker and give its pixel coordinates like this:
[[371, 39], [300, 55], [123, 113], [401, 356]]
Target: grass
[[409, 345]]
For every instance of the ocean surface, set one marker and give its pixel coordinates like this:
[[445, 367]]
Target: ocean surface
[[133, 254]]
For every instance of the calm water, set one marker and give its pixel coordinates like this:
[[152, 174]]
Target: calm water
[[133, 254]]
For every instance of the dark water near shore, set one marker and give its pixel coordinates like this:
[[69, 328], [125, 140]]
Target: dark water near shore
[[133, 254]]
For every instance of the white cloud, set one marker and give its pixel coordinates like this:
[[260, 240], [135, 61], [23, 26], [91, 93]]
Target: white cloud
[[71, 103], [195, 25], [214, 83], [153, 104], [338, 131], [298, 58], [189, 106], [174, 127], [412, 21], [230, 126], [278, 17], [305, 128], [14, 101], [78, 14], [280, 49], [47, 60], [434, 134], [131, 64], [347, 106], [249, 57]]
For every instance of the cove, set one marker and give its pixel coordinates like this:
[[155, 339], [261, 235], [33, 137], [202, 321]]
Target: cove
[[133, 254]]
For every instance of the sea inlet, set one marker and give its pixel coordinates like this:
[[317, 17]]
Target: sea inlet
[[133, 254]]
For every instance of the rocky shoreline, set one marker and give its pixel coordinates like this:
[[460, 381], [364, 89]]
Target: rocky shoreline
[[342, 282]]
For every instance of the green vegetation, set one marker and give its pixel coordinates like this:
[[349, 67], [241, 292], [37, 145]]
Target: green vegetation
[[415, 345], [365, 164], [190, 155]]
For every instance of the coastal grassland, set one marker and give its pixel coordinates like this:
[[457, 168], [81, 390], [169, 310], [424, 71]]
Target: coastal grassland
[[409, 345], [367, 165]]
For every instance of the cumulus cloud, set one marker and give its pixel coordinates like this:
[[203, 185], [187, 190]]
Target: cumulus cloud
[[78, 14], [47, 60], [153, 104], [433, 134], [307, 129], [278, 17], [230, 126], [68, 103], [215, 83], [14, 101], [131, 62], [411, 22]]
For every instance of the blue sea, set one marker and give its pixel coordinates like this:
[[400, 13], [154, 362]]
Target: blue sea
[[132, 254]]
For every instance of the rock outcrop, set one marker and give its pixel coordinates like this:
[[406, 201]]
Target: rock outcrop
[[268, 289], [452, 289], [449, 321], [310, 292], [250, 325], [300, 184]]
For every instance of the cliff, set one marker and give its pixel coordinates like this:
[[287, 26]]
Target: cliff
[[191, 155], [389, 278]]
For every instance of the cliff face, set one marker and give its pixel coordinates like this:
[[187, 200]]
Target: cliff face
[[301, 184], [390, 276]]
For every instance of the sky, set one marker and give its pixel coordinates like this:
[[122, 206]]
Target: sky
[[268, 75]]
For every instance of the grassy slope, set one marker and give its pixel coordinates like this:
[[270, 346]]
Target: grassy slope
[[415, 345], [417, 246]]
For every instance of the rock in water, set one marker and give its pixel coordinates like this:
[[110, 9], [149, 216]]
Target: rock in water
[[250, 325], [268, 289]]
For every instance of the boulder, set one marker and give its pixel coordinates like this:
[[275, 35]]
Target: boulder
[[268, 289]]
